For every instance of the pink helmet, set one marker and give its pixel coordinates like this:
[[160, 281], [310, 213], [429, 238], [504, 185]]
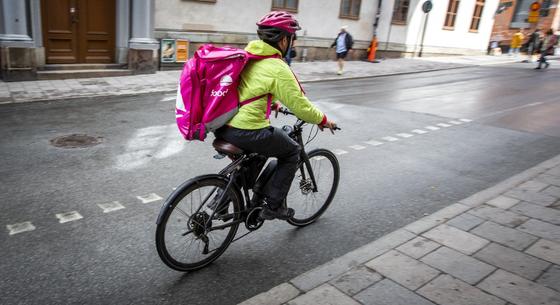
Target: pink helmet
[[280, 20]]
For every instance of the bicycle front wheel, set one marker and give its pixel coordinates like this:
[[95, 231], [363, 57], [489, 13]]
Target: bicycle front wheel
[[195, 229], [308, 204]]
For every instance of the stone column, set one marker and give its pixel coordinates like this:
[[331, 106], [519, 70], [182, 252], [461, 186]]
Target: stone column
[[17, 49], [122, 31], [142, 55]]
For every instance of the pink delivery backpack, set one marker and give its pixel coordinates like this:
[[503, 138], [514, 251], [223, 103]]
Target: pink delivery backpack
[[207, 97]]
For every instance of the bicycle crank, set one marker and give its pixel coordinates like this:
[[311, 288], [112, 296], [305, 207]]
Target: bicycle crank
[[253, 220]]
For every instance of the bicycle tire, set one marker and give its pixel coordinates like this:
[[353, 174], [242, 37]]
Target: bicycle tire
[[333, 161], [174, 201]]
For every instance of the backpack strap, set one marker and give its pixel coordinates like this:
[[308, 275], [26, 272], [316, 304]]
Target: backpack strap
[[268, 103]]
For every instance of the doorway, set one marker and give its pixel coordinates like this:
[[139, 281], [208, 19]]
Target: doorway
[[78, 31]]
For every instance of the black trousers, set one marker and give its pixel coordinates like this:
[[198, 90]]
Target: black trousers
[[270, 142], [542, 59]]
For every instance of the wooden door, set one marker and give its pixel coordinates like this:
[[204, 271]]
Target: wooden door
[[79, 31]]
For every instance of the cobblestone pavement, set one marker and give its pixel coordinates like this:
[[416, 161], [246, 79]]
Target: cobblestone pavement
[[499, 246], [166, 81]]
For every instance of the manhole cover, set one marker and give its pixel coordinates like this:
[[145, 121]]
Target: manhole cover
[[75, 141]]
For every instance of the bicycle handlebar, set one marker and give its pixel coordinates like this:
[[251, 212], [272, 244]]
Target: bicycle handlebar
[[285, 111]]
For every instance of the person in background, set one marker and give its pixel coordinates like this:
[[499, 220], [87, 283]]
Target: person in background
[[343, 43], [516, 41], [546, 48], [534, 43]]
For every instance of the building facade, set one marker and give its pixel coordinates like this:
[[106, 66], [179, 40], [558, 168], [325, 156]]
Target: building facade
[[40, 35], [514, 16]]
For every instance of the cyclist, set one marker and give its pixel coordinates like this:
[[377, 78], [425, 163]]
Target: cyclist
[[250, 128]]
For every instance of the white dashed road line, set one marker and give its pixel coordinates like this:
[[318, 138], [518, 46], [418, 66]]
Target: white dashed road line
[[27, 226], [68, 216], [20, 227], [149, 198], [111, 206], [390, 139], [405, 135], [340, 151], [168, 98], [357, 147]]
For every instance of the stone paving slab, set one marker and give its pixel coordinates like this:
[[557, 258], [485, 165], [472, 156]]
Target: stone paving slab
[[514, 261], [451, 257], [518, 290], [551, 278], [403, 269], [458, 265], [504, 235], [447, 290], [535, 211], [500, 216], [325, 295], [456, 239], [547, 250], [388, 292]]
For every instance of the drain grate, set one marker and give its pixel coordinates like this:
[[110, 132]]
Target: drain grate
[[75, 141]]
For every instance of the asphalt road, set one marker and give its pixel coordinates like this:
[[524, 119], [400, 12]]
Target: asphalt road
[[110, 258]]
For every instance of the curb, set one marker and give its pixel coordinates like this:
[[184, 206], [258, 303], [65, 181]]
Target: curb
[[331, 270], [174, 90]]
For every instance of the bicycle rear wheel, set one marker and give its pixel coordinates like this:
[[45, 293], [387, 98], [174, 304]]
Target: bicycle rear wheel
[[194, 231], [309, 205]]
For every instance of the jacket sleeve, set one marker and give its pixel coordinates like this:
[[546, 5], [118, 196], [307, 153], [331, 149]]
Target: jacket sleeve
[[286, 88], [334, 43], [349, 41]]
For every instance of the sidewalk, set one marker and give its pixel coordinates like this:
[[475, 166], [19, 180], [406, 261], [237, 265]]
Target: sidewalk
[[166, 81], [499, 246]]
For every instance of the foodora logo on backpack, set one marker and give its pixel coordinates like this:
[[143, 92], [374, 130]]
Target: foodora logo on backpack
[[224, 82]]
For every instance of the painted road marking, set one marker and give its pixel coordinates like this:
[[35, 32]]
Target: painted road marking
[[68, 216], [405, 135], [455, 122], [111, 206], [20, 227], [373, 143], [357, 147], [149, 198], [390, 139], [432, 127], [168, 98], [340, 152], [419, 131], [465, 120], [443, 125]]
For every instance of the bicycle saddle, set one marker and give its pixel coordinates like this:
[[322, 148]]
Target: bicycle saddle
[[227, 148]]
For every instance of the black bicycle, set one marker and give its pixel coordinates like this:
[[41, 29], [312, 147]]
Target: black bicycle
[[200, 218]]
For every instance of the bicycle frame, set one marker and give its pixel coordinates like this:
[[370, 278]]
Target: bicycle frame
[[236, 169]]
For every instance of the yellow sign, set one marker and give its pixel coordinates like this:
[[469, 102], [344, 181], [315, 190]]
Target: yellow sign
[[182, 50], [533, 17]]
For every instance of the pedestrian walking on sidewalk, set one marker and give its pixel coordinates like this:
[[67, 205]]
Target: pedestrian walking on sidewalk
[[546, 48], [343, 43], [534, 43], [516, 41]]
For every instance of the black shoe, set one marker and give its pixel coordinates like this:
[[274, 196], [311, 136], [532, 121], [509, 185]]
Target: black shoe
[[547, 64], [281, 213], [537, 68]]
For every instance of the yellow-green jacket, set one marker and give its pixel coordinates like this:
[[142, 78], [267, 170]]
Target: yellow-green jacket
[[274, 76]]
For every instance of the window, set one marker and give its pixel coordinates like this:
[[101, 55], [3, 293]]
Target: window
[[285, 5], [478, 7], [452, 9], [350, 9], [521, 14], [400, 11]]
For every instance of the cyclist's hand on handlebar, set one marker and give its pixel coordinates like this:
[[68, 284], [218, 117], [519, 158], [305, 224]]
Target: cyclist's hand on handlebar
[[330, 125]]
